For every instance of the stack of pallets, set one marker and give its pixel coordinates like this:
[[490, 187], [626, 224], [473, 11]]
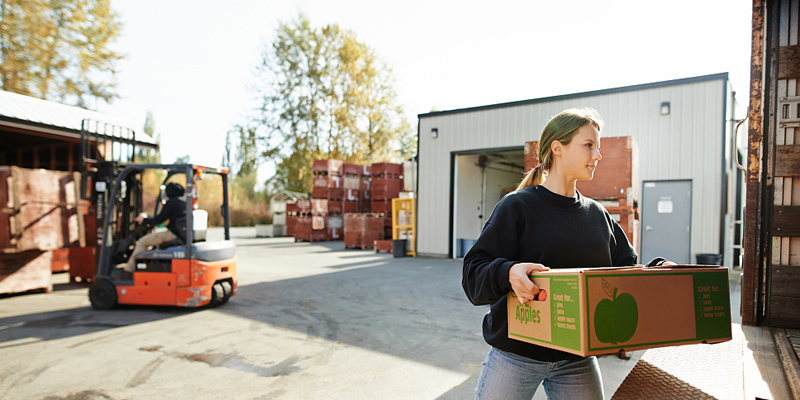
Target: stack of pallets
[[386, 184]]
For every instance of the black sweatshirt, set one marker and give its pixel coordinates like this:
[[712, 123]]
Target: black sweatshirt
[[174, 209], [539, 226]]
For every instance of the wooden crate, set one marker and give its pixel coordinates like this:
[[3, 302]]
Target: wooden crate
[[385, 188], [327, 167], [41, 210], [25, 271], [383, 246], [387, 170]]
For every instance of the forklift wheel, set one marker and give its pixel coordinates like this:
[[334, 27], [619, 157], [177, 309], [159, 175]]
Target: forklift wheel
[[102, 294], [217, 294], [228, 291]]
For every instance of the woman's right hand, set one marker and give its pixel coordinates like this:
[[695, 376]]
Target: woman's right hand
[[521, 283]]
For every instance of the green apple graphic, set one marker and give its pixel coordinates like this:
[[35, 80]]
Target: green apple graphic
[[615, 320]]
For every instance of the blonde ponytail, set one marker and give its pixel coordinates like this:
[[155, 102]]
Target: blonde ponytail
[[535, 176]]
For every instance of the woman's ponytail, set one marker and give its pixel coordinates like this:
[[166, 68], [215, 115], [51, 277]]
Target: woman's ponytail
[[534, 177]]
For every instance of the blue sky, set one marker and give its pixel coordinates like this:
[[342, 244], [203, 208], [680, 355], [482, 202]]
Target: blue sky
[[190, 62]]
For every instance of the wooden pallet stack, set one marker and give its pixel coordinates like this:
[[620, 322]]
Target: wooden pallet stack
[[299, 221], [615, 181], [327, 197], [361, 230], [356, 188], [386, 184], [42, 214]]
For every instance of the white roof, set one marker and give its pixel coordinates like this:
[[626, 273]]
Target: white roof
[[22, 108]]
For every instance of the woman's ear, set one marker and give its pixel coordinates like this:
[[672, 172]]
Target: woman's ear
[[555, 147]]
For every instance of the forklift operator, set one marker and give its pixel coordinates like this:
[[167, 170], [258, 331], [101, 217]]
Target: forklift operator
[[174, 209]]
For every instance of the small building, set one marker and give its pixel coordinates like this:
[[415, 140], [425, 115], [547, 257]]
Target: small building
[[470, 158]]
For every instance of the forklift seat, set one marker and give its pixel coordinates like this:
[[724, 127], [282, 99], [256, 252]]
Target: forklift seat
[[200, 218]]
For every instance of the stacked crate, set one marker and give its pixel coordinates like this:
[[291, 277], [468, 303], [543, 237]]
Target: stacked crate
[[386, 184], [356, 188], [361, 230], [327, 197], [298, 220]]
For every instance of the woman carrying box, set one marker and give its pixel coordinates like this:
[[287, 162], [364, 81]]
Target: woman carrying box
[[546, 223]]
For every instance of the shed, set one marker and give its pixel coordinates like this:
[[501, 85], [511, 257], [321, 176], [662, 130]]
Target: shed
[[36, 133], [469, 158]]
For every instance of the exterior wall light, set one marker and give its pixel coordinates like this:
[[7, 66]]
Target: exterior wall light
[[435, 133], [665, 108]]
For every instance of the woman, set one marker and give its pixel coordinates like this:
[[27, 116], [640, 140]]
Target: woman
[[546, 223]]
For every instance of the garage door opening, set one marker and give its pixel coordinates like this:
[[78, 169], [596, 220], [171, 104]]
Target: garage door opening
[[482, 178]]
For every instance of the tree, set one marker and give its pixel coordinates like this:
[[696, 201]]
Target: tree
[[59, 49], [247, 154], [324, 94]]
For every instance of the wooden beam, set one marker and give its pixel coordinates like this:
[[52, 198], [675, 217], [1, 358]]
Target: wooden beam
[[752, 250]]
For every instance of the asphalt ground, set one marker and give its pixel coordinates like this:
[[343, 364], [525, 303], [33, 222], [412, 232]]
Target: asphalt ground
[[309, 321]]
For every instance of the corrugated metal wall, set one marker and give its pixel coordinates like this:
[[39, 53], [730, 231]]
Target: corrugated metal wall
[[686, 144]]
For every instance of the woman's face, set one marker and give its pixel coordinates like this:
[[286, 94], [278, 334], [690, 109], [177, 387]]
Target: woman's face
[[579, 158]]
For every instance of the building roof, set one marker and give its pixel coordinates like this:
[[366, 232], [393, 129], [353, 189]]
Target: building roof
[[683, 81], [58, 119]]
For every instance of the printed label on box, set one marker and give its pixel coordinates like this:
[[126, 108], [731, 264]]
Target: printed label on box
[[555, 317]]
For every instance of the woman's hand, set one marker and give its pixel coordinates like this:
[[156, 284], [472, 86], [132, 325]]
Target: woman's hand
[[521, 283]]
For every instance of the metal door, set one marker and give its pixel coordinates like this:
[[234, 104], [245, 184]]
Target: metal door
[[666, 220]]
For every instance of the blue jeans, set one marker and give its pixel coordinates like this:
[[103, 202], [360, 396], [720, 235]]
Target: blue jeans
[[509, 376]]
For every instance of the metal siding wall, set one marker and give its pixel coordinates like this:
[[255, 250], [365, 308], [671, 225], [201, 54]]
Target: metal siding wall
[[687, 144]]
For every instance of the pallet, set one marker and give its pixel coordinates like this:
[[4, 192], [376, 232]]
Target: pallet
[[383, 246], [26, 271]]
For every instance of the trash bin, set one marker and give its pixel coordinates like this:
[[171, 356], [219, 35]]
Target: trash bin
[[399, 247], [463, 246], [709, 259]]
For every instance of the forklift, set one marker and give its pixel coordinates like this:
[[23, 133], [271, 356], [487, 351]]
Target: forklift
[[190, 271]]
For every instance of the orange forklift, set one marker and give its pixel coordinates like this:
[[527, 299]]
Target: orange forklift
[[190, 271]]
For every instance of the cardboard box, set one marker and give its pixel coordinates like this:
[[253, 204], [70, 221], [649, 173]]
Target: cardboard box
[[594, 311]]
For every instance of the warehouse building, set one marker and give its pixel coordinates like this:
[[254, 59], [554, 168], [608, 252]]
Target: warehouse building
[[687, 189]]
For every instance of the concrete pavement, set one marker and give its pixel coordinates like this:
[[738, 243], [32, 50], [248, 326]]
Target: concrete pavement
[[310, 320]]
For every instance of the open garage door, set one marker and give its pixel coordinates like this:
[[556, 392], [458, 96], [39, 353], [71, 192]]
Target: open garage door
[[482, 178]]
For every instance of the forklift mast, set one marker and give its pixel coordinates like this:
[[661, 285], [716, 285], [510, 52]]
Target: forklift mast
[[105, 150]]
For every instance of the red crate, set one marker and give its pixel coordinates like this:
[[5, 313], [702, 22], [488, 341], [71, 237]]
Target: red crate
[[386, 188], [350, 206], [382, 206], [365, 206], [327, 167], [361, 240], [327, 193], [291, 222], [335, 234], [319, 236], [303, 206], [328, 181], [302, 236], [352, 169], [383, 246], [335, 207], [387, 170], [352, 194]]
